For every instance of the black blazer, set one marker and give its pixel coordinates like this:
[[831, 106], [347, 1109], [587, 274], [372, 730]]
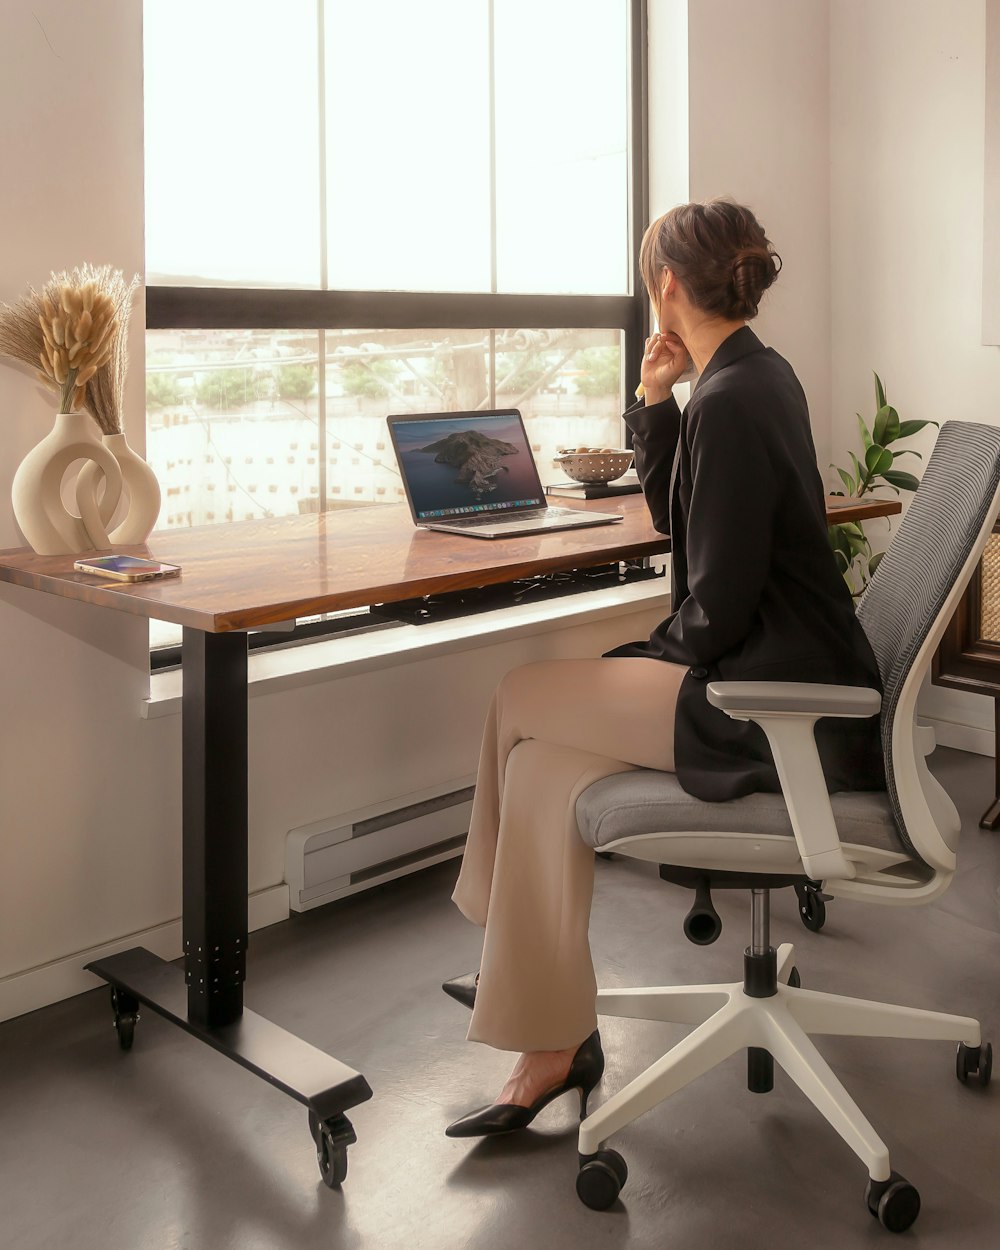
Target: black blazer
[[756, 593]]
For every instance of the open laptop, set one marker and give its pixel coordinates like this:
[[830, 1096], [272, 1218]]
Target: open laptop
[[473, 473]]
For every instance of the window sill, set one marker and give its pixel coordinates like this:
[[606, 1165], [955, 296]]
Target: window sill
[[333, 658]]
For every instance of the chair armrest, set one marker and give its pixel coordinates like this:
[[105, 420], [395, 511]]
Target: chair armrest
[[743, 700], [784, 709]]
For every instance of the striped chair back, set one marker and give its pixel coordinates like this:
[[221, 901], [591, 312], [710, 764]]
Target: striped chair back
[[908, 605]]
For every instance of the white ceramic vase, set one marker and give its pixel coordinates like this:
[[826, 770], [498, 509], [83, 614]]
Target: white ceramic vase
[[45, 521], [143, 492]]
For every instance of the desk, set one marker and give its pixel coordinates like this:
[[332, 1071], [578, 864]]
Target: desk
[[244, 576]]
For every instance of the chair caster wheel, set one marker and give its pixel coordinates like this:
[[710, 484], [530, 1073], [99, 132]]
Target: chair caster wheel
[[812, 906], [332, 1137], [601, 1179], [794, 980], [126, 1012], [894, 1203], [974, 1061]]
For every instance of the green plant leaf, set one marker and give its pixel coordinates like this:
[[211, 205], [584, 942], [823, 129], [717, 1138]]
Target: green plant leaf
[[879, 392], [908, 451], [906, 428], [878, 460], [866, 436], [838, 541], [874, 562], [843, 563], [859, 473], [886, 425], [848, 481], [905, 481]]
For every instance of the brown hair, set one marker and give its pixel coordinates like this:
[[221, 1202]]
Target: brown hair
[[719, 253]]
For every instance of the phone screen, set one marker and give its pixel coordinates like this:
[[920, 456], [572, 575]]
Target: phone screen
[[124, 566]]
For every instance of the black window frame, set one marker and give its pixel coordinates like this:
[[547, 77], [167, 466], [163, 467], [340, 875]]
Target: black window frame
[[265, 308]]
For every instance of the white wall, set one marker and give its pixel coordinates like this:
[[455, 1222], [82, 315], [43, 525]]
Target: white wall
[[71, 681], [758, 132], [667, 111], [89, 790], [907, 122]]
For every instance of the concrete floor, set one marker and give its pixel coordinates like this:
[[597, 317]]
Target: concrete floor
[[171, 1146]]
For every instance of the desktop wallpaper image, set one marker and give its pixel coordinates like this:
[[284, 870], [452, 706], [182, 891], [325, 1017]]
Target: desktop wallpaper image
[[472, 465]]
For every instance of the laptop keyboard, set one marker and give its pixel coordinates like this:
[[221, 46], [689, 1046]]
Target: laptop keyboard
[[549, 516]]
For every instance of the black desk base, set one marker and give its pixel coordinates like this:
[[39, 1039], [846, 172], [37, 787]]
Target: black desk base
[[310, 1076], [206, 997]]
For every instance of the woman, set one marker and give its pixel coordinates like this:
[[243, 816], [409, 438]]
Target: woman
[[756, 595]]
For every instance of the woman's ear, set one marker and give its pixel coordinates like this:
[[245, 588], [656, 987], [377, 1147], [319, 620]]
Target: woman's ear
[[667, 284]]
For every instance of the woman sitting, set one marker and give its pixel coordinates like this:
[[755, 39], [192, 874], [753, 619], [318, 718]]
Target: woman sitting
[[756, 595]]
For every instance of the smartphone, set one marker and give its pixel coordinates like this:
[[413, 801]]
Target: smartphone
[[126, 568]]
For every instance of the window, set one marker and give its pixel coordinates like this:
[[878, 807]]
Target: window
[[240, 410], [356, 207]]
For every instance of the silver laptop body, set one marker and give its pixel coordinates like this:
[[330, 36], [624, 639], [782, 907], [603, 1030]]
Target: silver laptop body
[[473, 473]]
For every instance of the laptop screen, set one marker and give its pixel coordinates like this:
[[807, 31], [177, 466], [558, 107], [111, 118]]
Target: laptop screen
[[464, 463]]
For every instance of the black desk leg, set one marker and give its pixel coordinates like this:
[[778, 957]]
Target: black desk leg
[[991, 817], [206, 998], [215, 824]]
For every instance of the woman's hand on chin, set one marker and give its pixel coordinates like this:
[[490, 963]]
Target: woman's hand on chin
[[664, 360]]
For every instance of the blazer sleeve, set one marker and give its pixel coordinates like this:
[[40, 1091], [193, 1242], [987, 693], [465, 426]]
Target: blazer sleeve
[[655, 431], [729, 532]]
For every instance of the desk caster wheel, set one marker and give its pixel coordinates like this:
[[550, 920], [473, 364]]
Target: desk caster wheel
[[894, 1203], [332, 1137], [601, 1179], [812, 906], [126, 1012], [974, 1061]]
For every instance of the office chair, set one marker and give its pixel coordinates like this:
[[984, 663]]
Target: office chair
[[894, 847]]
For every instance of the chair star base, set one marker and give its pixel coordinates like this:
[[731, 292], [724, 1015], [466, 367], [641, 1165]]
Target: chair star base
[[728, 1020]]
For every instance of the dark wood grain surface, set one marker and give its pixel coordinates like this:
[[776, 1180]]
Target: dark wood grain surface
[[840, 509], [253, 573]]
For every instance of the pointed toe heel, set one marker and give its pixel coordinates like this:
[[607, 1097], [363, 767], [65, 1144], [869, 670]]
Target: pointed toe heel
[[463, 989], [584, 1073]]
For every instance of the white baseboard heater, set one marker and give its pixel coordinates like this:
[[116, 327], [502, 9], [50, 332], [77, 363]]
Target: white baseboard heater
[[332, 858]]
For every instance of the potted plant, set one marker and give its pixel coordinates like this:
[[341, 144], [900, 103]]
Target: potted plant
[[875, 469]]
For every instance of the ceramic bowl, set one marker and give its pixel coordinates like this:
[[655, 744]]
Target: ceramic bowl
[[603, 464]]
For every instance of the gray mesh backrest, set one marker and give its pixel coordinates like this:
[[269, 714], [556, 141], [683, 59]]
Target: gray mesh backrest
[[932, 544]]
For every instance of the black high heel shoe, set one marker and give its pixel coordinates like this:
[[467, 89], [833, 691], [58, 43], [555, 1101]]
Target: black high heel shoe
[[585, 1071], [463, 989]]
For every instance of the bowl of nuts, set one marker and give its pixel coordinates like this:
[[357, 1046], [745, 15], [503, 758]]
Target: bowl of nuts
[[594, 464]]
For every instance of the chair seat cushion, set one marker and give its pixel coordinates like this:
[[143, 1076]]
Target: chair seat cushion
[[645, 801]]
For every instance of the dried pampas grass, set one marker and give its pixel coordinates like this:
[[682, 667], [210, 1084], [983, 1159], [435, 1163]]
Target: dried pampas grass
[[75, 329], [105, 391], [20, 332]]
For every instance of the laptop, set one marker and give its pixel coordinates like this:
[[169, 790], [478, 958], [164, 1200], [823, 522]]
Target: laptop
[[473, 473]]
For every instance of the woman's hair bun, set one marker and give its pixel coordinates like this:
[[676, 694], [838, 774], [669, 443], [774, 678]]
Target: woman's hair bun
[[718, 251], [753, 270]]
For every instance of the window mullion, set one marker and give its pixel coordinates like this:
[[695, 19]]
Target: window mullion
[[493, 151], [324, 264]]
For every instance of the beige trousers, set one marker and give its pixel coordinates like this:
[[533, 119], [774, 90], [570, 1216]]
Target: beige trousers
[[527, 877]]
